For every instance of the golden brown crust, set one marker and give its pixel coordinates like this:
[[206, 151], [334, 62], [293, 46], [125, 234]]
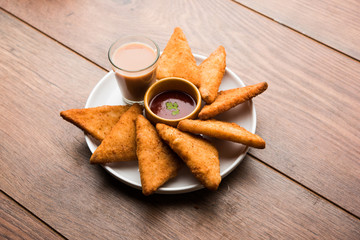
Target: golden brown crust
[[231, 98], [120, 143], [222, 130], [177, 59], [97, 121], [157, 162], [212, 71], [200, 156]]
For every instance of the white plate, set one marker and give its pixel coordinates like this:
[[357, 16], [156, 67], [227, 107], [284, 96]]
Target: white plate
[[106, 92]]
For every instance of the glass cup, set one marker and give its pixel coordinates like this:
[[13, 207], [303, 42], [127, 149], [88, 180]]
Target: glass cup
[[134, 60]]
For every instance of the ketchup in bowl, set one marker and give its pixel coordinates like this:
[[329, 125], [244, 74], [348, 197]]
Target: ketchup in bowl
[[172, 104], [170, 100]]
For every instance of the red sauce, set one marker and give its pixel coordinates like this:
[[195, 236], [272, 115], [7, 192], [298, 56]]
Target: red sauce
[[172, 104]]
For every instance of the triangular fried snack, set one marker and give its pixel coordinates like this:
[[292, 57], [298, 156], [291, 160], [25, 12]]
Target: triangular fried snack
[[231, 98], [97, 121], [157, 162], [120, 144], [177, 59], [199, 155], [222, 130], [212, 71]]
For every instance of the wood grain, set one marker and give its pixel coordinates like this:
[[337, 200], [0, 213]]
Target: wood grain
[[17, 223], [334, 23], [308, 116], [46, 166]]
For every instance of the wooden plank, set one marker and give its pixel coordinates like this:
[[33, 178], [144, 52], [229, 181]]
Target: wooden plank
[[334, 23], [17, 223], [46, 168], [308, 116]]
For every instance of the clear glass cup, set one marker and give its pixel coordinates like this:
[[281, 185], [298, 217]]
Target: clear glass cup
[[134, 60]]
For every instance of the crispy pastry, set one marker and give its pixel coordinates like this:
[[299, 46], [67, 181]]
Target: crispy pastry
[[212, 71], [199, 155], [177, 59], [231, 98], [157, 162], [222, 130], [97, 121], [120, 144]]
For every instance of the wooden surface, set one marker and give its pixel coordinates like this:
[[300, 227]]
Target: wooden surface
[[305, 184], [17, 223], [331, 22]]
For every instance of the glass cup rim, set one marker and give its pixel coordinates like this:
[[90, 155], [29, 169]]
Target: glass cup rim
[[129, 37]]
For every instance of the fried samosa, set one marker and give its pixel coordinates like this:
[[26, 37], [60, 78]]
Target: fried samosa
[[199, 155], [212, 71], [120, 144], [157, 162], [97, 121], [222, 130], [177, 59], [230, 98]]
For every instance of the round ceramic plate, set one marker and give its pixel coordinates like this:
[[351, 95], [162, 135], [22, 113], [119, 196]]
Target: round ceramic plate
[[106, 92]]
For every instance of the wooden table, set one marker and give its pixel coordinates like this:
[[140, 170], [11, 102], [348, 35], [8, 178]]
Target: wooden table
[[304, 185]]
